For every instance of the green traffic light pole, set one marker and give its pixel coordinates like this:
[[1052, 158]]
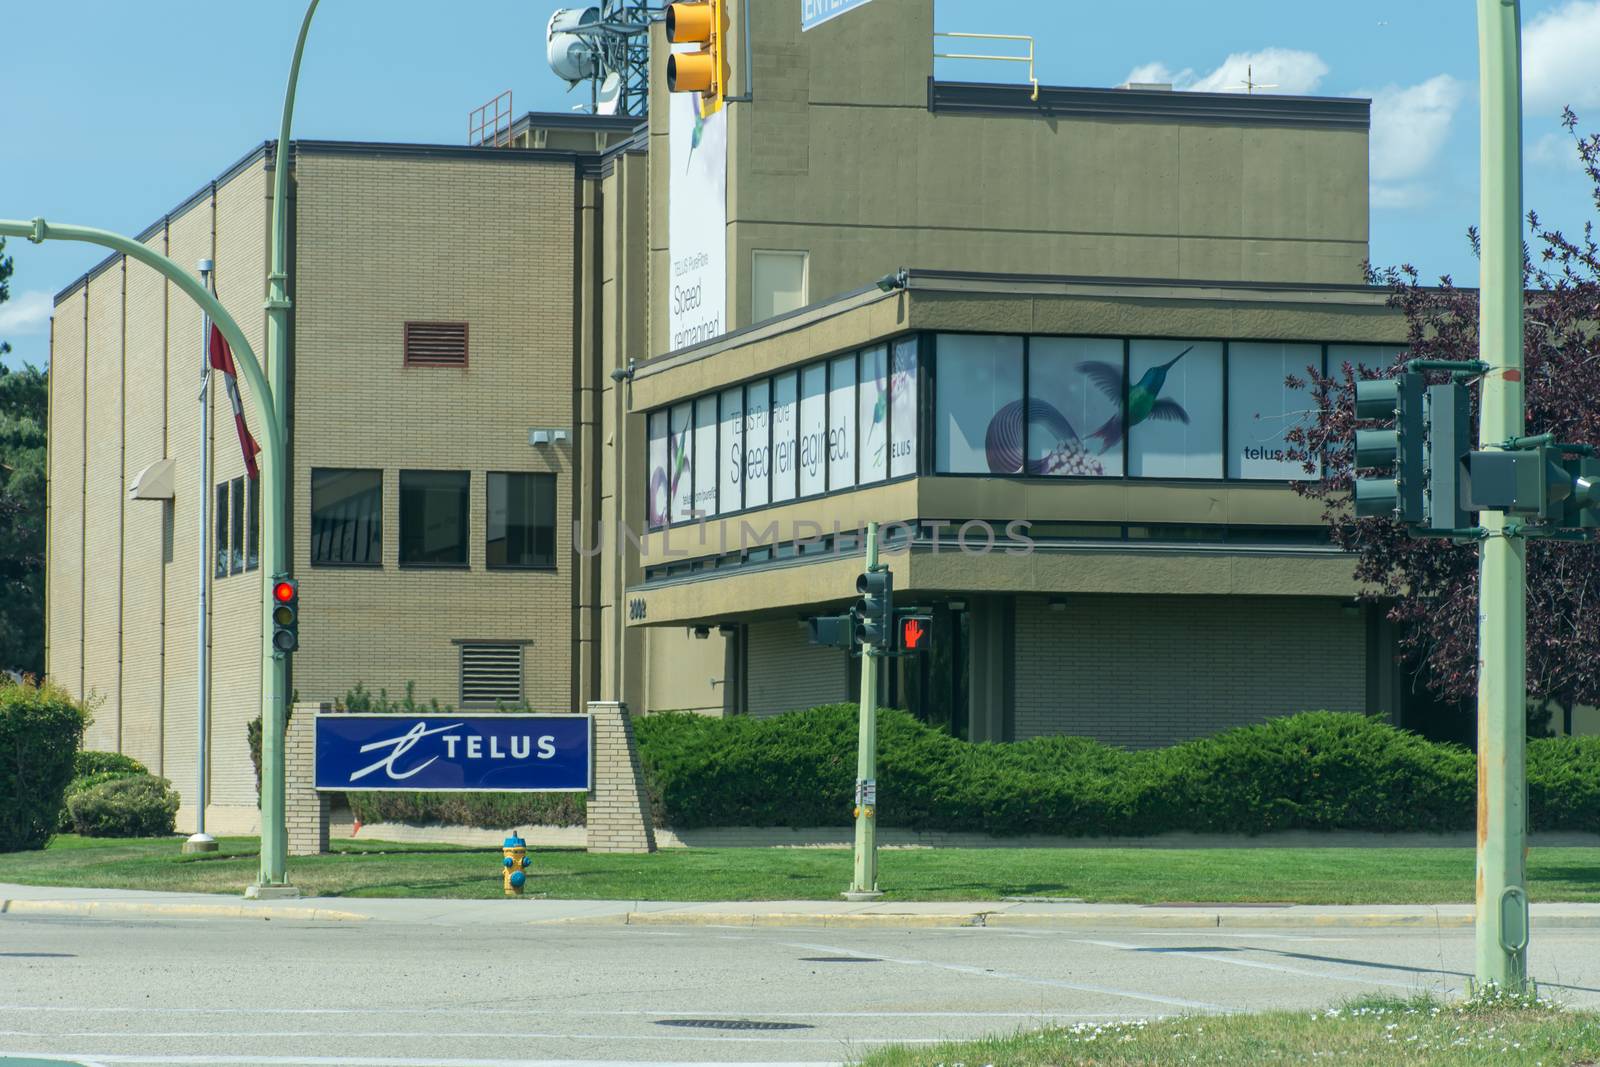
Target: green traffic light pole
[[273, 525], [864, 883], [1502, 896]]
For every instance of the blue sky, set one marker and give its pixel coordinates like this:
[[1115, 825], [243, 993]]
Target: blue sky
[[116, 111]]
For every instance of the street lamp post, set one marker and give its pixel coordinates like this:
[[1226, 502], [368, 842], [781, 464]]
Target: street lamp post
[[274, 878]]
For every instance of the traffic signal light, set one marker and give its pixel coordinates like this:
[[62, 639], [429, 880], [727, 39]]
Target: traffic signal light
[[873, 613], [833, 631], [285, 615], [1449, 437], [916, 632], [704, 71], [1581, 509], [1399, 447]]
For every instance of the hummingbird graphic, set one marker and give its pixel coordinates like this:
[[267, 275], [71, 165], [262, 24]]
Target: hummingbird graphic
[[699, 132], [1144, 399]]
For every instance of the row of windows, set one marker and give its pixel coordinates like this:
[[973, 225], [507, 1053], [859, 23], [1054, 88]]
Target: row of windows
[[1007, 405], [835, 424], [347, 519]]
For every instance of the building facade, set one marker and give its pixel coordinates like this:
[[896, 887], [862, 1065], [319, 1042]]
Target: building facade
[[578, 418]]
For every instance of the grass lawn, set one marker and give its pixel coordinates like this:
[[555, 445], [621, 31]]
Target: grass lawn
[[1139, 876], [1371, 1032]]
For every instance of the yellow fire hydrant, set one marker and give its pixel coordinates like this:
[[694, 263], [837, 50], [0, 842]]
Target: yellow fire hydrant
[[516, 862]]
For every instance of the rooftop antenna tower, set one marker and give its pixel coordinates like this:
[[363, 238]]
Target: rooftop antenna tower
[[1250, 85], [608, 46]]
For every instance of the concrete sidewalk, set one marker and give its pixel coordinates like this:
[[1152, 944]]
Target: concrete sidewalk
[[124, 903]]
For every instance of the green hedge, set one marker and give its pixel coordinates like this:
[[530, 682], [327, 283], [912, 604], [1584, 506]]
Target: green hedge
[[1312, 771], [140, 805], [40, 730]]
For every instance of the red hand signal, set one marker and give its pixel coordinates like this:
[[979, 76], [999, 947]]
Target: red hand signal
[[911, 633]]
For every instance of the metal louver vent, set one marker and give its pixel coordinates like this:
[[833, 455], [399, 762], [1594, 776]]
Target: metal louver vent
[[436, 344], [491, 674]]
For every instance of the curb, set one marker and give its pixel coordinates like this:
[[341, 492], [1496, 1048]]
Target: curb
[[117, 908]]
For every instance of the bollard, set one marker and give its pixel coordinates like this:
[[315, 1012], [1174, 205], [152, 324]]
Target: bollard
[[515, 862]]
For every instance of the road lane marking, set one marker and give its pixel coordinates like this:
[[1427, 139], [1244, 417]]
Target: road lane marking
[[984, 972], [396, 1035], [1259, 965]]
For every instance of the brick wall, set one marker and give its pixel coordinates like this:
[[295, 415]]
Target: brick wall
[[1146, 671], [390, 240], [618, 812], [788, 673], [305, 809]]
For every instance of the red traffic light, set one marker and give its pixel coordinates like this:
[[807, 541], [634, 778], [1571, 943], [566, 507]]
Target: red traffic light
[[283, 592], [914, 631]]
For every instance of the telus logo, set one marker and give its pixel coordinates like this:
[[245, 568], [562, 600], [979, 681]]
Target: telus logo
[[519, 747]]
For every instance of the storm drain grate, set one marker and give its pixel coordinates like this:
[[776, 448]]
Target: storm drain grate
[[839, 959], [732, 1024]]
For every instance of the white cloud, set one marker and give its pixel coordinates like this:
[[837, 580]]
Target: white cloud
[[1287, 70], [1557, 151], [1558, 56], [1410, 124], [25, 313]]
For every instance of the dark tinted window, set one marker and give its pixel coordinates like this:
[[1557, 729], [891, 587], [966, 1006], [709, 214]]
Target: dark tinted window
[[236, 559], [219, 519], [347, 517], [433, 518], [521, 527]]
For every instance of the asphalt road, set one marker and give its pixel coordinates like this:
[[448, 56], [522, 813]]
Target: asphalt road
[[176, 991]]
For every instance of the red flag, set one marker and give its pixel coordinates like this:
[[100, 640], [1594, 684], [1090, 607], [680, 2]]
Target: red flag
[[222, 360]]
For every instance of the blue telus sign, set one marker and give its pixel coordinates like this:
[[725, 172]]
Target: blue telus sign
[[440, 753]]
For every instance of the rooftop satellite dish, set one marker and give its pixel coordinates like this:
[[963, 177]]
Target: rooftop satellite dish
[[571, 53], [606, 97]]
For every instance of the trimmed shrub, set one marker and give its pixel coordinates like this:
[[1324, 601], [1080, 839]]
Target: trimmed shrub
[[40, 730], [1313, 771], [137, 806], [89, 769]]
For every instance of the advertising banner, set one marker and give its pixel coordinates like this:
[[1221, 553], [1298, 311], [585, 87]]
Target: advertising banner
[[443, 753], [697, 222]]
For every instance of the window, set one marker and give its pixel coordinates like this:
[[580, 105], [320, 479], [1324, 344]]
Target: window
[[236, 523], [347, 517], [658, 494], [236, 555], [757, 443], [521, 527], [252, 543], [873, 415], [978, 404], [813, 429], [730, 453], [433, 518], [1174, 409], [680, 464], [903, 409], [1075, 406], [777, 283], [1262, 409], [784, 447], [705, 455], [436, 344], [219, 520], [491, 674], [842, 422]]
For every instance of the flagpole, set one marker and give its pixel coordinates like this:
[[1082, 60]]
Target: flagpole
[[200, 841]]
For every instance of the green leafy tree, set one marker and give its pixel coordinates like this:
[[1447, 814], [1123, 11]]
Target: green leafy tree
[[23, 408]]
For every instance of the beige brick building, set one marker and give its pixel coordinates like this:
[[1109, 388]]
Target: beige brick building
[[484, 388]]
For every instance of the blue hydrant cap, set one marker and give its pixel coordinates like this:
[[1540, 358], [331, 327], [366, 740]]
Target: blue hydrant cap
[[514, 842]]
